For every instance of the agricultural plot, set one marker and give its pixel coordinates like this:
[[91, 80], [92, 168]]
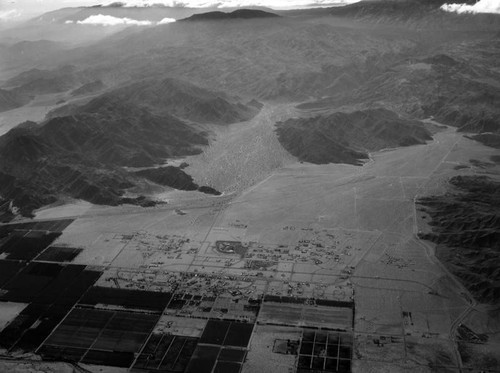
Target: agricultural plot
[[24, 241], [59, 254], [181, 326], [8, 270], [50, 291], [165, 353], [125, 298], [221, 307], [227, 333], [328, 316], [214, 359], [30, 282], [99, 337], [44, 225], [261, 356], [26, 246], [325, 352], [9, 311]]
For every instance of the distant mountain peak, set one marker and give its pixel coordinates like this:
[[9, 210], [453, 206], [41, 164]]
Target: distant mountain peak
[[237, 14]]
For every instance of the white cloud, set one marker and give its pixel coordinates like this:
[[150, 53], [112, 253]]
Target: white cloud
[[105, 20], [234, 3], [9, 15], [164, 21], [482, 6]]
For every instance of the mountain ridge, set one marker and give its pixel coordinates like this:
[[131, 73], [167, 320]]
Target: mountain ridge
[[83, 154], [236, 14], [348, 137]]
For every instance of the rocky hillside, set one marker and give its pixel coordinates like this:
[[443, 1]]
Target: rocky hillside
[[24, 87], [184, 100], [412, 13], [466, 228], [11, 100], [88, 88], [348, 137], [453, 88], [82, 155]]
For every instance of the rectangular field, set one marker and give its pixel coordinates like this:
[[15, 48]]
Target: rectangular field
[[325, 351], [99, 337], [27, 246], [166, 353], [227, 333], [305, 315], [59, 254], [133, 299]]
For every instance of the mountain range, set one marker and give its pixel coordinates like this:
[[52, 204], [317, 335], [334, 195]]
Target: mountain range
[[82, 151], [363, 76], [348, 137]]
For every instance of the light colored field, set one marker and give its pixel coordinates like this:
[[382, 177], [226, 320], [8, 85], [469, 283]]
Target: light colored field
[[9, 311], [260, 357], [188, 327]]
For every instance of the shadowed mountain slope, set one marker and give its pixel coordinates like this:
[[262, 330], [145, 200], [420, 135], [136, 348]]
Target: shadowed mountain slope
[[82, 155], [81, 151], [237, 14], [184, 100], [348, 137], [458, 88], [34, 82], [11, 100], [466, 228]]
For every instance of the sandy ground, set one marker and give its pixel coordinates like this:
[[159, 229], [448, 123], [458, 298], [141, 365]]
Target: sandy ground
[[260, 358], [60, 211], [243, 153]]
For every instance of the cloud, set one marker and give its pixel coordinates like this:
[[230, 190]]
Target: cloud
[[9, 15], [234, 3], [104, 20], [482, 6], [164, 21]]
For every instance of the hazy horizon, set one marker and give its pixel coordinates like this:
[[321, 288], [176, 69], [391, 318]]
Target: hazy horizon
[[18, 10]]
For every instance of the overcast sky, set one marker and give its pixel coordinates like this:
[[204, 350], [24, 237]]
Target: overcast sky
[[22, 9]]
